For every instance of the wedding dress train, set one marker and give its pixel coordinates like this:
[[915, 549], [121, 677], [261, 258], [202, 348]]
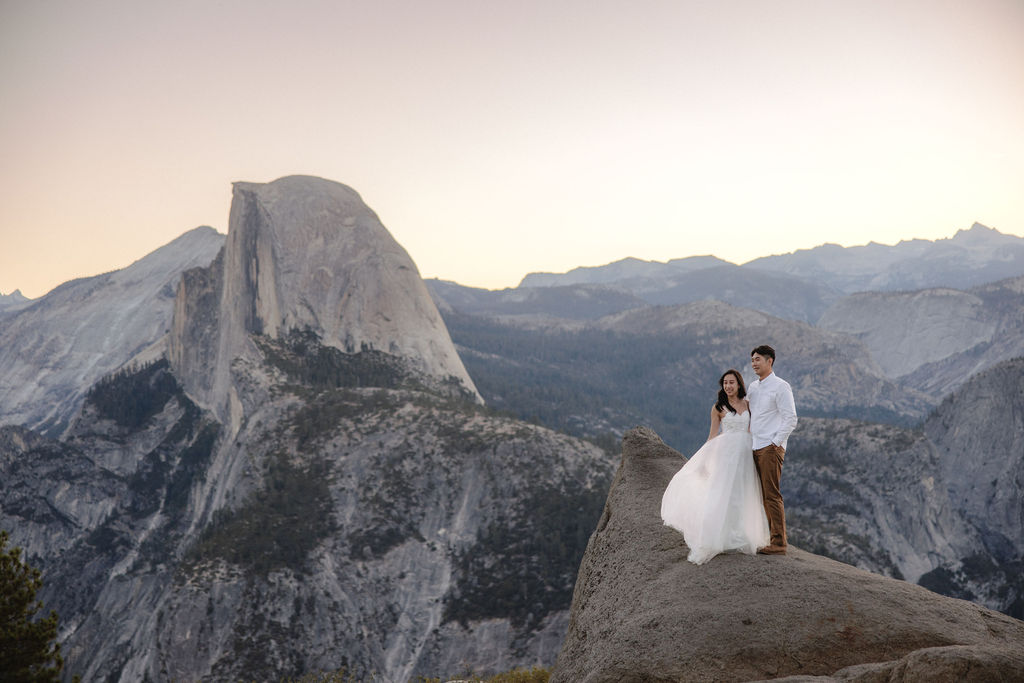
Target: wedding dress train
[[715, 499]]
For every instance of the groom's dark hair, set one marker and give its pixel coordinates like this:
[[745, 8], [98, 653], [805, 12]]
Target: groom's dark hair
[[766, 351]]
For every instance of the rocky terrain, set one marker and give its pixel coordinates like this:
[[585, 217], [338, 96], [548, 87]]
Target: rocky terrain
[[53, 348], [307, 481], [935, 339], [859, 489], [641, 612], [263, 456], [659, 366], [386, 530]]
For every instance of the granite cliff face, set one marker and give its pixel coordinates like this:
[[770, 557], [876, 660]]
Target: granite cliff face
[[388, 530], [304, 254], [641, 612], [55, 347], [307, 481], [934, 339], [907, 330], [979, 431]]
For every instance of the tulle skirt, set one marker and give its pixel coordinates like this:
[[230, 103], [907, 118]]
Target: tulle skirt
[[715, 499]]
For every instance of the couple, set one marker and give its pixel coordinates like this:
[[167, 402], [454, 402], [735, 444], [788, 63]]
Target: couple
[[724, 499]]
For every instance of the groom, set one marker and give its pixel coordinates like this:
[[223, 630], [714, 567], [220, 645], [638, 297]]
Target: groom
[[772, 420]]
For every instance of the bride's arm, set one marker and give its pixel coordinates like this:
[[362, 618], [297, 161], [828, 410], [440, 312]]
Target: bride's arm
[[716, 419]]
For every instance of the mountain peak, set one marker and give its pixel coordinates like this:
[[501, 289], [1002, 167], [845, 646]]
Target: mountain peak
[[979, 235], [304, 253], [14, 297]]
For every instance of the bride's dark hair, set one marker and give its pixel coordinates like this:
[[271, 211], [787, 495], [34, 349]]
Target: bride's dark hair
[[723, 400]]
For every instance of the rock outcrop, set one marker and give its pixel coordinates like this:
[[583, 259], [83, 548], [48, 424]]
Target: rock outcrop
[[907, 330], [980, 434], [304, 254], [934, 339], [55, 347], [318, 488], [641, 612], [391, 531]]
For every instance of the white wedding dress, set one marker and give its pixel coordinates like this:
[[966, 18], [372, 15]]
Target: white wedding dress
[[715, 499]]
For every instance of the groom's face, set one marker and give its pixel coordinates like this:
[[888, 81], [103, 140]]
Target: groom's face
[[761, 366]]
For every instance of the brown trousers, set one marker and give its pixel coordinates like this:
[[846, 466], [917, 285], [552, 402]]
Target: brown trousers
[[768, 462]]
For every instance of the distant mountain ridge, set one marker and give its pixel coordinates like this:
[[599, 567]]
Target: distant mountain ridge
[[13, 300], [970, 258], [624, 269], [54, 347], [799, 286]]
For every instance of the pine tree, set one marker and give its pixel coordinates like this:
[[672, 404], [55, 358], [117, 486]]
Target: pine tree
[[27, 648]]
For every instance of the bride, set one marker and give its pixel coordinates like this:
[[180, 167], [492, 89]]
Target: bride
[[715, 499]]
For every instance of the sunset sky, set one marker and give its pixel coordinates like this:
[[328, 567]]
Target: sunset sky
[[498, 138]]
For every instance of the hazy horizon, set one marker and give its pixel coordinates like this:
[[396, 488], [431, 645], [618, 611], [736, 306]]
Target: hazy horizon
[[495, 140], [570, 268]]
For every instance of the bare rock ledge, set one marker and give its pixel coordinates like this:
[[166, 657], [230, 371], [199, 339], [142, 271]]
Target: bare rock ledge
[[641, 612]]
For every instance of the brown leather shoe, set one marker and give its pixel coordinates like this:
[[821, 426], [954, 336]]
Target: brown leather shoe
[[772, 550]]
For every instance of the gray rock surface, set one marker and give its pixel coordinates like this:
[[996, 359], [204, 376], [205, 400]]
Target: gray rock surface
[[318, 488], [304, 253], [52, 350], [874, 496], [368, 528], [1002, 313], [934, 339], [980, 433], [640, 612], [907, 330]]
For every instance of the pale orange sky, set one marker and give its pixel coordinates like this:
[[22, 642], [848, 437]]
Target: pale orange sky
[[496, 138]]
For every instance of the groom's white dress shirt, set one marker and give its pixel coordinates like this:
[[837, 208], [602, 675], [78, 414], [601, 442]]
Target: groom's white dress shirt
[[772, 411]]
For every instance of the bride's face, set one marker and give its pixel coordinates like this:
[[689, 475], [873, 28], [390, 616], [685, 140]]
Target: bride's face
[[730, 385]]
